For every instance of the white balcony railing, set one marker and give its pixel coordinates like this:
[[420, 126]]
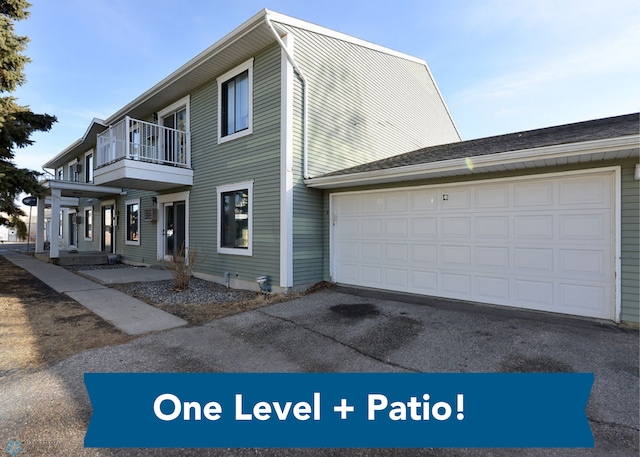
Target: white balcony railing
[[143, 141]]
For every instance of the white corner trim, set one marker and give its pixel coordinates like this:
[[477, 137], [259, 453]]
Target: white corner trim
[[617, 201], [286, 166]]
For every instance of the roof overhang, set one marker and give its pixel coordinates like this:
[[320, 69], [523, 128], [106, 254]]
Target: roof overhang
[[231, 50], [548, 156], [87, 142]]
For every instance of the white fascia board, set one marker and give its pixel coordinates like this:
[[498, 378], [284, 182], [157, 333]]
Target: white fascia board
[[461, 165], [298, 23]]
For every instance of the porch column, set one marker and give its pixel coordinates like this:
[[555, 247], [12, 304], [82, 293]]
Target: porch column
[[54, 249], [40, 225]]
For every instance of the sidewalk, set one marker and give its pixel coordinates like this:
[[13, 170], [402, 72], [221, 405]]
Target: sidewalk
[[128, 314]]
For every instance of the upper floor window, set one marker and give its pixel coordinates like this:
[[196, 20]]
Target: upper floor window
[[235, 103]]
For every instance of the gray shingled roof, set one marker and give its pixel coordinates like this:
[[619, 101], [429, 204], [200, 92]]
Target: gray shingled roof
[[599, 129]]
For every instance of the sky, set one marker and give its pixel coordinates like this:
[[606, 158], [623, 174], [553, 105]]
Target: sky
[[502, 66]]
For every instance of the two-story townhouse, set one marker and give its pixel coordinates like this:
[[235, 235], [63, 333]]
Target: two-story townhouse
[[299, 153], [214, 156]]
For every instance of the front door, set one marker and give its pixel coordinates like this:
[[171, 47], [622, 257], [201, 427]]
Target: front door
[[108, 244], [73, 230], [174, 230]]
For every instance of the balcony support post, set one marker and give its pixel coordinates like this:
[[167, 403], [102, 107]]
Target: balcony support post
[[127, 138]]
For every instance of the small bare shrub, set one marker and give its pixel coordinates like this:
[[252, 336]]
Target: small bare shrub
[[181, 267]]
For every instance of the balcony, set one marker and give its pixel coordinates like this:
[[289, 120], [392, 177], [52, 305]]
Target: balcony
[[140, 155]]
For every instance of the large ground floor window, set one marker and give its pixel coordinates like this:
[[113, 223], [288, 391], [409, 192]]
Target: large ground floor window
[[235, 218]]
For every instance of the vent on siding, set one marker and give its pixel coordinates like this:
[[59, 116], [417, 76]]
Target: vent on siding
[[151, 215]]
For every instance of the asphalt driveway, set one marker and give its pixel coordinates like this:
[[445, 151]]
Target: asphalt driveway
[[339, 330]]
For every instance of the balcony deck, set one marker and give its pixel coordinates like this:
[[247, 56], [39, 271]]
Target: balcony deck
[[141, 155]]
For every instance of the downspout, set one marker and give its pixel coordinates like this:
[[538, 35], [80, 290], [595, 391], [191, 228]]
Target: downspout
[[305, 97]]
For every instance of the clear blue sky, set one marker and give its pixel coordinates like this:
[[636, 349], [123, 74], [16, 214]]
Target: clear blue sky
[[502, 65]]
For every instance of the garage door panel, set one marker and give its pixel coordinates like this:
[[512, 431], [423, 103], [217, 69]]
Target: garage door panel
[[349, 228], [539, 227], [397, 253], [424, 227], [492, 197], [589, 298], [492, 257], [584, 192], [533, 194], [543, 243], [424, 281], [349, 273], [397, 227], [456, 199], [372, 252], [397, 202], [371, 275], [459, 256], [535, 294], [533, 260], [582, 263], [397, 277], [349, 250], [372, 203], [423, 200], [492, 227], [582, 226], [456, 227], [424, 255], [495, 289], [372, 228]]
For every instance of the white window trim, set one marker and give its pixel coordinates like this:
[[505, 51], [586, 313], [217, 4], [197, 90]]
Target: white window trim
[[184, 102], [133, 201], [248, 65], [68, 168], [248, 251], [84, 215]]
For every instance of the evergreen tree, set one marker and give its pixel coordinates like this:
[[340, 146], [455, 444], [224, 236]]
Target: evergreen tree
[[17, 123]]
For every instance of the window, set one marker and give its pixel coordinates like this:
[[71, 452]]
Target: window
[[60, 174], [88, 223], [133, 222], [235, 215], [175, 149], [235, 103], [88, 168]]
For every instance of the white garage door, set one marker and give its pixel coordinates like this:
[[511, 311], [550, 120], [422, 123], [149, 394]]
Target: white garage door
[[543, 243]]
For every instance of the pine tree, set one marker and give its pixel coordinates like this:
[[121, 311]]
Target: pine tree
[[17, 123]]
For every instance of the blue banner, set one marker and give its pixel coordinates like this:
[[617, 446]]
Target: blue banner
[[327, 410]]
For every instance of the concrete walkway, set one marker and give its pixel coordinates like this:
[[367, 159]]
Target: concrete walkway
[[129, 314]]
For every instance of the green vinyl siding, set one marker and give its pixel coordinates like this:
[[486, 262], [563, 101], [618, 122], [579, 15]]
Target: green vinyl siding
[[630, 248], [255, 157], [365, 104], [146, 252]]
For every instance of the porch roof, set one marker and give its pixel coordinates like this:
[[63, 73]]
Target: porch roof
[[79, 189]]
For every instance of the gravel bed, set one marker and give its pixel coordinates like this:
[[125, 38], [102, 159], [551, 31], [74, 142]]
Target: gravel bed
[[199, 292]]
